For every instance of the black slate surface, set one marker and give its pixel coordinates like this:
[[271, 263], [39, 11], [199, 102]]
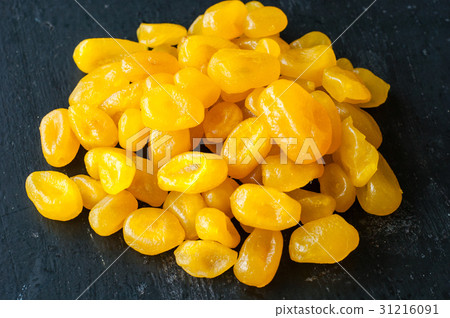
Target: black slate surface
[[403, 256]]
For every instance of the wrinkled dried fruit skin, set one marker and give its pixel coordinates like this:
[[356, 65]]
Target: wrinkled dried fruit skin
[[225, 19], [362, 121], [245, 147], [59, 144], [299, 62], [291, 112], [259, 258], [192, 172], [92, 126], [284, 175], [219, 197], [221, 119], [92, 158], [356, 155], [335, 119], [115, 172], [196, 50], [345, 86], [213, 225], [126, 98], [156, 34], [130, 124], [145, 186], [185, 207], [169, 108], [337, 184], [152, 231], [91, 190], [264, 207], [93, 53], [107, 216], [54, 195], [99, 84], [194, 82], [311, 39], [165, 145], [378, 88], [237, 71], [324, 241], [382, 195], [314, 205], [265, 21], [205, 258], [139, 66]]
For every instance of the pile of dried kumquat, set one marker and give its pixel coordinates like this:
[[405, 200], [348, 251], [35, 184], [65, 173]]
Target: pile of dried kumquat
[[270, 116]]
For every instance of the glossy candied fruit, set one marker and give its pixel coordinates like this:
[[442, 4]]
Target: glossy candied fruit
[[185, 207], [299, 123], [307, 63], [324, 241], [259, 258], [91, 190], [169, 108], [196, 50], [93, 53], [284, 175], [152, 231], [219, 197], [221, 119], [115, 172], [382, 195], [225, 19], [205, 258], [212, 224], [156, 34], [264, 207], [145, 187], [362, 121], [59, 143], [265, 21], [314, 205], [311, 39], [198, 84], [246, 147], [107, 216], [378, 88], [92, 126], [337, 184], [345, 86], [193, 172], [54, 195], [356, 155], [129, 126], [237, 71], [333, 114]]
